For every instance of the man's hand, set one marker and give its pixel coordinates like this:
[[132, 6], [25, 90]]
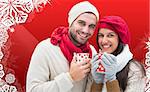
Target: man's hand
[[78, 70]]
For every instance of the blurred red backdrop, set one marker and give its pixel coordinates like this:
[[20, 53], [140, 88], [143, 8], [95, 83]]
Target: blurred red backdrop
[[40, 26]]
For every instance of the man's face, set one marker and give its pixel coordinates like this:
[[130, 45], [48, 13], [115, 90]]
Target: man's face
[[82, 28]]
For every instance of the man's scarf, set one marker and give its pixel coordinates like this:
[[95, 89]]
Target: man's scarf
[[60, 37]]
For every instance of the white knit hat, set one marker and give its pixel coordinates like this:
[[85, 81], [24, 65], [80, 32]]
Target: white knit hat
[[80, 8]]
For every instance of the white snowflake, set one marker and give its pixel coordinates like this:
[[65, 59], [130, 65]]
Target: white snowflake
[[147, 62], [148, 72], [3, 36], [2, 73], [148, 44], [5, 88], [13, 89], [3, 39], [37, 3], [147, 56], [8, 88], [2, 83], [1, 54], [147, 87], [14, 11], [1, 67], [10, 78], [2, 26]]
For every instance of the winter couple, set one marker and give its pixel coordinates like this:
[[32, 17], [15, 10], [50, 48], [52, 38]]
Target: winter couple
[[53, 69]]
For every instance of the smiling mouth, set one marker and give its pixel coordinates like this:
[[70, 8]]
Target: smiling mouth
[[105, 47], [82, 34]]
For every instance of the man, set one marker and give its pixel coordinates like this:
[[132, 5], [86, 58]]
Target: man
[[52, 67]]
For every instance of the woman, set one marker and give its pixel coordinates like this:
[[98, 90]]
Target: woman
[[112, 39]]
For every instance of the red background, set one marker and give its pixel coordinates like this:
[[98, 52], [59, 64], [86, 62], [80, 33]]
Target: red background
[[40, 25]]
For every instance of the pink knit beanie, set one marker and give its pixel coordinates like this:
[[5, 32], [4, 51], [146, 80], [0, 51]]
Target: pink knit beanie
[[118, 25]]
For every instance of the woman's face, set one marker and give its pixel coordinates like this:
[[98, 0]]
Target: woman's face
[[108, 40]]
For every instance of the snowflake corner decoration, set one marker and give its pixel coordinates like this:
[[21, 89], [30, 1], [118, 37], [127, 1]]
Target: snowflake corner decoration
[[14, 11]]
